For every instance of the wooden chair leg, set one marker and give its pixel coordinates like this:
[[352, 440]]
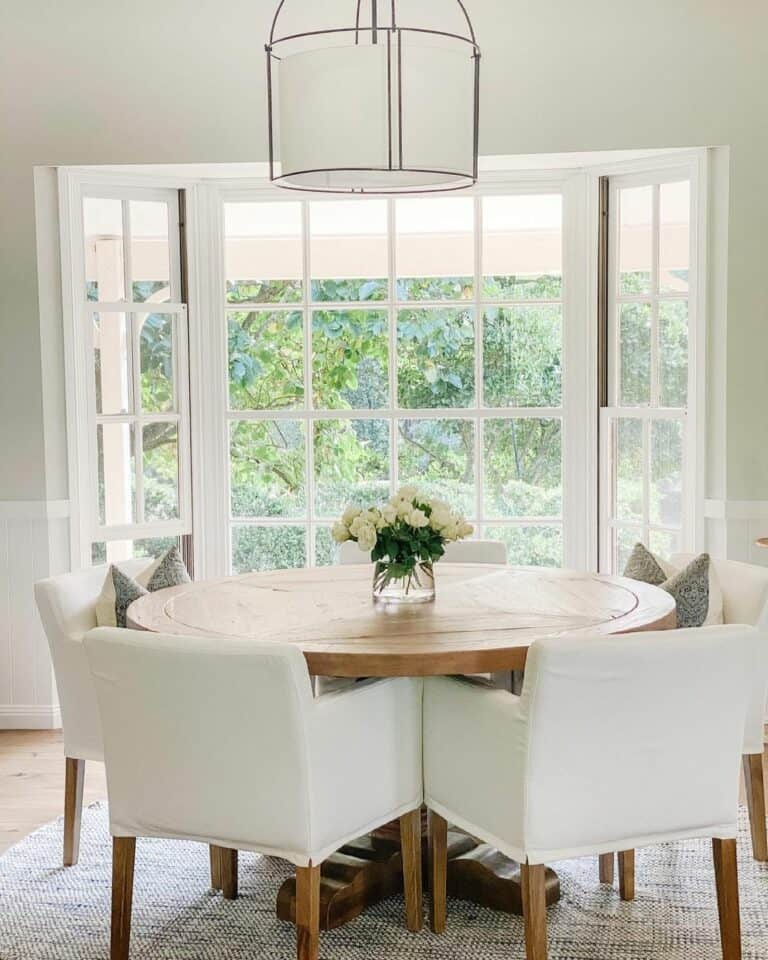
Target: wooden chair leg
[[215, 867], [410, 848], [627, 874], [307, 912], [534, 910], [437, 842], [726, 878], [754, 783], [123, 858], [228, 872], [607, 861], [74, 778]]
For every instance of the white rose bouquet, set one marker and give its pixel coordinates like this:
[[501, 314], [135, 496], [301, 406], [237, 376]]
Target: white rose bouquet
[[409, 531]]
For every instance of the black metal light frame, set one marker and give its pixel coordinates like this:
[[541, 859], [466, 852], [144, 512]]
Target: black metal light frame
[[393, 33]]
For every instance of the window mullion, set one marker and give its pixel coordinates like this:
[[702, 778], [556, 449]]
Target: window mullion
[[309, 423], [394, 458], [479, 382], [655, 286]]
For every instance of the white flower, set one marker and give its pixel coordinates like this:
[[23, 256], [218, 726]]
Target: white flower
[[408, 492], [388, 514], [417, 518], [440, 517], [356, 526], [339, 532], [465, 530], [350, 513], [450, 531], [403, 508], [367, 537]]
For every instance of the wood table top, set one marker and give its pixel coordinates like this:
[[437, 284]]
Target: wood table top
[[483, 619]]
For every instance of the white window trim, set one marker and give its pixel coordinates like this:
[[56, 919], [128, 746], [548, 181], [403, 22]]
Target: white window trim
[[695, 168], [208, 352], [80, 401]]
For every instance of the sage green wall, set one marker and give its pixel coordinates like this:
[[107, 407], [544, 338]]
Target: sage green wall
[[148, 82]]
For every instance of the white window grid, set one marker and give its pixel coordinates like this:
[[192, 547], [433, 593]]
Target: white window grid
[[478, 412], [135, 312], [611, 524]]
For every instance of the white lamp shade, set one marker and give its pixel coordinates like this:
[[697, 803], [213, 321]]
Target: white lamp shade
[[397, 116]]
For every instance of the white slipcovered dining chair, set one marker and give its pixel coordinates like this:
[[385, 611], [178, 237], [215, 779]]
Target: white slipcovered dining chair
[[221, 741], [551, 767], [460, 551], [744, 587], [67, 607]]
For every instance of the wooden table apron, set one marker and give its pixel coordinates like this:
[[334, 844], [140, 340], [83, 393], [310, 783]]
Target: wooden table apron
[[483, 620]]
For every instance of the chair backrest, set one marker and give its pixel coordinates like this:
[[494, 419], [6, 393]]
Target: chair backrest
[[461, 551], [67, 607], [204, 738], [744, 587], [633, 739]]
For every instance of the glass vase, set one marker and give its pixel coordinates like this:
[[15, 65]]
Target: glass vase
[[415, 587]]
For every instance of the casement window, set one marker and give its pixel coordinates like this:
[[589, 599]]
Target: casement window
[[646, 436], [130, 351]]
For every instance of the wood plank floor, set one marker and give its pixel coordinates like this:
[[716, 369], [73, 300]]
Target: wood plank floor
[[32, 782]]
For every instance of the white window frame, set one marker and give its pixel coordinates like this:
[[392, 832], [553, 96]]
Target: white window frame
[[577, 406], [82, 418], [694, 169]]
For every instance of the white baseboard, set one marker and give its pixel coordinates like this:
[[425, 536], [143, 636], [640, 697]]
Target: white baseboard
[[29, 716]]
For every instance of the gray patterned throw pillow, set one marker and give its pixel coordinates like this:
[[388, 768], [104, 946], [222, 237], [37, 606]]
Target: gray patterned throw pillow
[[170, 572], [642, 565], [126, 591], [689, 587]]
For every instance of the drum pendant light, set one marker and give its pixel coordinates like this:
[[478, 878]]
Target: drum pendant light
[[372, 105]]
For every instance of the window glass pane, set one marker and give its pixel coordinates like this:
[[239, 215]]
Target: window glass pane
[[266, 360], [325, 548], [439, 457], [523, 247], [161, 471], [624, 540], [674, 239], [104, 263], [268, 548], [635, 240], [522, 350], [539, 546], [116, 473], [113, 551], [348, 250], [673, 353], [263, 252], [268, 468], [635, 353], [350, 359], [629, 469], [150, 253], [663, 543], [111, 358], [523, 468], [435, 249], [666, 506], [156, 362], [351, 464], [436, 358]]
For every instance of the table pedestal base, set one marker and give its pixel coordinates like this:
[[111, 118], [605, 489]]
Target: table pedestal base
[[369, 870]]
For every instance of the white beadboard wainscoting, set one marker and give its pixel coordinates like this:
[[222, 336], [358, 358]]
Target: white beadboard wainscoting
[[34, 543], [733, 526]]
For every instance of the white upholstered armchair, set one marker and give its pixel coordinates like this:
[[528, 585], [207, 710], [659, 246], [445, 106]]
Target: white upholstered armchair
[[67, 606], [607, 749], [221, 741]]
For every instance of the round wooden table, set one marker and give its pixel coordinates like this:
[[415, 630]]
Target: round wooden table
[[483, 620]]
